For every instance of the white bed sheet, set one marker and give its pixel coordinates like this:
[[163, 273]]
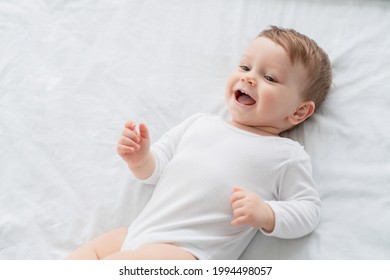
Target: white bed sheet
[[72, 72]]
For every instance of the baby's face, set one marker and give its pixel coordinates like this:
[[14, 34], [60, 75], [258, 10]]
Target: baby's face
[[264, 89]]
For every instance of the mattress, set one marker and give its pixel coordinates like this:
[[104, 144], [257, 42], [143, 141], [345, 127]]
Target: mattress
[[72, 73]]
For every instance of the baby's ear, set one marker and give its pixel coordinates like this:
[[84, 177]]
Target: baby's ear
[[305, 110]]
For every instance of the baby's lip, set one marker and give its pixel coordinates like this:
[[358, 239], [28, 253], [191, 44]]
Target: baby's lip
[[244, 98]]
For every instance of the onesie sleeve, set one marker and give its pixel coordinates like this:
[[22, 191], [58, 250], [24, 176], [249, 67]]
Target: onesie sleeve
[[164, 149], [297, 206]]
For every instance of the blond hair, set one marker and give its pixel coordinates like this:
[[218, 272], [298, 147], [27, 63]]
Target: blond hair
[[306, 51]]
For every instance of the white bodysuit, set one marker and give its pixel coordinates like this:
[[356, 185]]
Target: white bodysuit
[[198, 163]]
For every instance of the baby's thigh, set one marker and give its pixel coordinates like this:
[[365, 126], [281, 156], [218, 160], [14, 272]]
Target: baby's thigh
[[154, 252], [164, 252], [110, 242]]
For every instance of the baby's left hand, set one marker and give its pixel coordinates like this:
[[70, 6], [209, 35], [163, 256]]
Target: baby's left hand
[[249, 209]]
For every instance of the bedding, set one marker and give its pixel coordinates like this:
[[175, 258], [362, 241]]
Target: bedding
[[72, 72]]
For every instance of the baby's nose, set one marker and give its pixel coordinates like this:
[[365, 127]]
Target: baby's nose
[[249, 79]]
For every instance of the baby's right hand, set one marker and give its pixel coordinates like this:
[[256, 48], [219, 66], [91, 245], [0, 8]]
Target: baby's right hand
[[133, 145]]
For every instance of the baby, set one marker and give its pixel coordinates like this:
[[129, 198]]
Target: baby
[[218, 182]]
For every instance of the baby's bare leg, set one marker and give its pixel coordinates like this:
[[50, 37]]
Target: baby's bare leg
[[108, 246], [153, 252], [101, 247]]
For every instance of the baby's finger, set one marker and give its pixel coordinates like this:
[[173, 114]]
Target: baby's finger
[[130, 125], [236, 196], [239, 189], [124, 150], [144, 131], [239, 212], [238, 221], [237, 204], [125, 141], [131, 134]]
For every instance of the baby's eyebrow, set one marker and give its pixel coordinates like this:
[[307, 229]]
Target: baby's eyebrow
[[245, 57]]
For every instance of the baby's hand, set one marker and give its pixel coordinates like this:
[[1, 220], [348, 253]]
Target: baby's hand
[[249, 209], [133, 146]]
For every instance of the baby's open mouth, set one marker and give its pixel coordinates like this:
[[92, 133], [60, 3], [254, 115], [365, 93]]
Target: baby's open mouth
[[244, 98]]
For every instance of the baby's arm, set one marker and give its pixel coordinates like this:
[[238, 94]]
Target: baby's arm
[[145, 161], [250, 209], [296, 208], [134, 148]]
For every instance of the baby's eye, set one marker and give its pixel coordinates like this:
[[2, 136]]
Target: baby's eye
[[270, 79], [245, 68]]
